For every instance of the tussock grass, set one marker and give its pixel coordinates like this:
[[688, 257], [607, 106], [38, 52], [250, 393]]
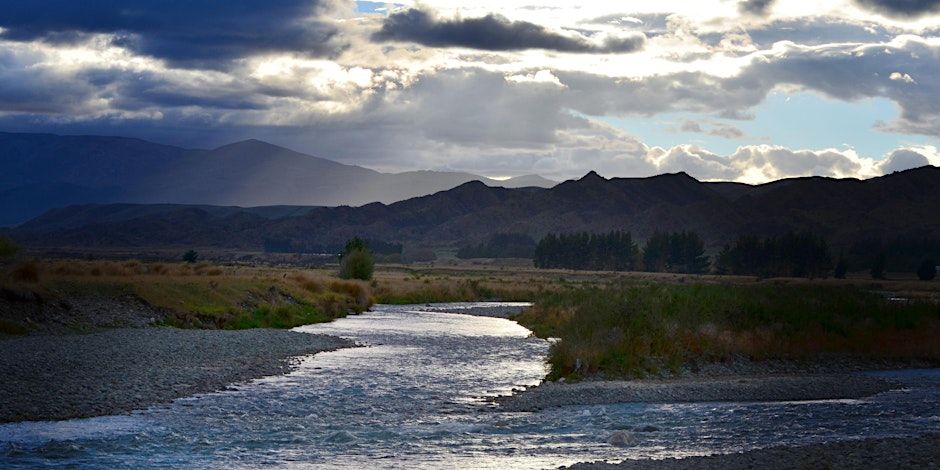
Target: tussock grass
[[414, 288], [630, 330]]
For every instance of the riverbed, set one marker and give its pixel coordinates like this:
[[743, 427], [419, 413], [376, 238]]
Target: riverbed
[[417, 394]]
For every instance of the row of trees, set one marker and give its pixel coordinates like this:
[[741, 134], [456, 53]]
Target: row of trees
[[617, 251], [794, 254], [791, 255], [900, 253], [678, 252], [502, 245]]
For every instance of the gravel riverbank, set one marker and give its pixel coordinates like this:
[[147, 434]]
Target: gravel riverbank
[[755, 388], [922, 452], [53, 377]]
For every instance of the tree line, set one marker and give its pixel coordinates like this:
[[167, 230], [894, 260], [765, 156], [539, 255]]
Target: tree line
[[501, 245], [794, 254]]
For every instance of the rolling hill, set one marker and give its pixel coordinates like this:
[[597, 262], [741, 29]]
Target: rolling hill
[[43, 171]]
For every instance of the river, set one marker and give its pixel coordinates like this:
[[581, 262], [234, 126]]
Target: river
[[415, 395]]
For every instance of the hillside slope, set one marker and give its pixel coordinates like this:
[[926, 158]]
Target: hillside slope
[[44, 171], [901, 204]]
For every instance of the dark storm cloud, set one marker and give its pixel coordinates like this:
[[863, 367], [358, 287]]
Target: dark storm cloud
[[491, 33], [190, 33], [755, 7], [902, 8]]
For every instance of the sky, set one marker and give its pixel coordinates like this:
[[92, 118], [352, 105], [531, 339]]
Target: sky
[[749, 90]]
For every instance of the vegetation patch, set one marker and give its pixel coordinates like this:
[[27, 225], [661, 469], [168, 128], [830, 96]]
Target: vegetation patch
[[633, 330], [200, 295]]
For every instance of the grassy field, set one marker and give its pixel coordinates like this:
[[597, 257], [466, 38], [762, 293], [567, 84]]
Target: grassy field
[[615, 324], [200, 295], [636, 329]]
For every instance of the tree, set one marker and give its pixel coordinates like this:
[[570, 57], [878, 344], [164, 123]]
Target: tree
[[8, 248], [191, 256], [356, 261], [842, 267], [878, 267], [656, 252], [927, 270]]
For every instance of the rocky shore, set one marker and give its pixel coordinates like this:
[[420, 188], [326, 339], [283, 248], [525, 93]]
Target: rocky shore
[[51, 377], [753, 388], [922, 452], [38, 314]]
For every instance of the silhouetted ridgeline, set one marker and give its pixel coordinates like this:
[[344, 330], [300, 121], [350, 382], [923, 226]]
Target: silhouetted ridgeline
[[844, 212]]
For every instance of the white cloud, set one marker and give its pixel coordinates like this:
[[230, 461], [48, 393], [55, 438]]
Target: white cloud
[[901, 77]]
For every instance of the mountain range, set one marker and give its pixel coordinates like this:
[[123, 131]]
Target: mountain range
[[44, 171], [902, 204]]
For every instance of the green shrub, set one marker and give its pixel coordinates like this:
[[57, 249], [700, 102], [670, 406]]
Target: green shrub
[[191, 256], [357, 265], [356, 261]]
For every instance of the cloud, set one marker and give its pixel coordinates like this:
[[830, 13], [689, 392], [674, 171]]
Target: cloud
[[727, 131], [902, 159], [494, 33], [901, 77], [201, 33], [691, 126], [717, 129], [755, 7], [761, 163], [902, 8]]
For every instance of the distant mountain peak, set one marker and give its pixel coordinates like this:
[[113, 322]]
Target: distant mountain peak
[[250, 145], [472, 184], [592, 176]]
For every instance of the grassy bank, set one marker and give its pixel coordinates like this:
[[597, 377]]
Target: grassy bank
[[633, 330], [197, 295], [430, 286]]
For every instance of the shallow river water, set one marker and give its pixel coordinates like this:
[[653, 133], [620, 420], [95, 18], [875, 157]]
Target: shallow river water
[[414, 395]]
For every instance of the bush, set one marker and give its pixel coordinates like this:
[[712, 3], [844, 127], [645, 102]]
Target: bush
[[8, 248], [927, 270], [357, 264], [191, 256]]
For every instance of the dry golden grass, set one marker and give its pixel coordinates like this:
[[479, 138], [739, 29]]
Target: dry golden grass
[[201, 295]]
